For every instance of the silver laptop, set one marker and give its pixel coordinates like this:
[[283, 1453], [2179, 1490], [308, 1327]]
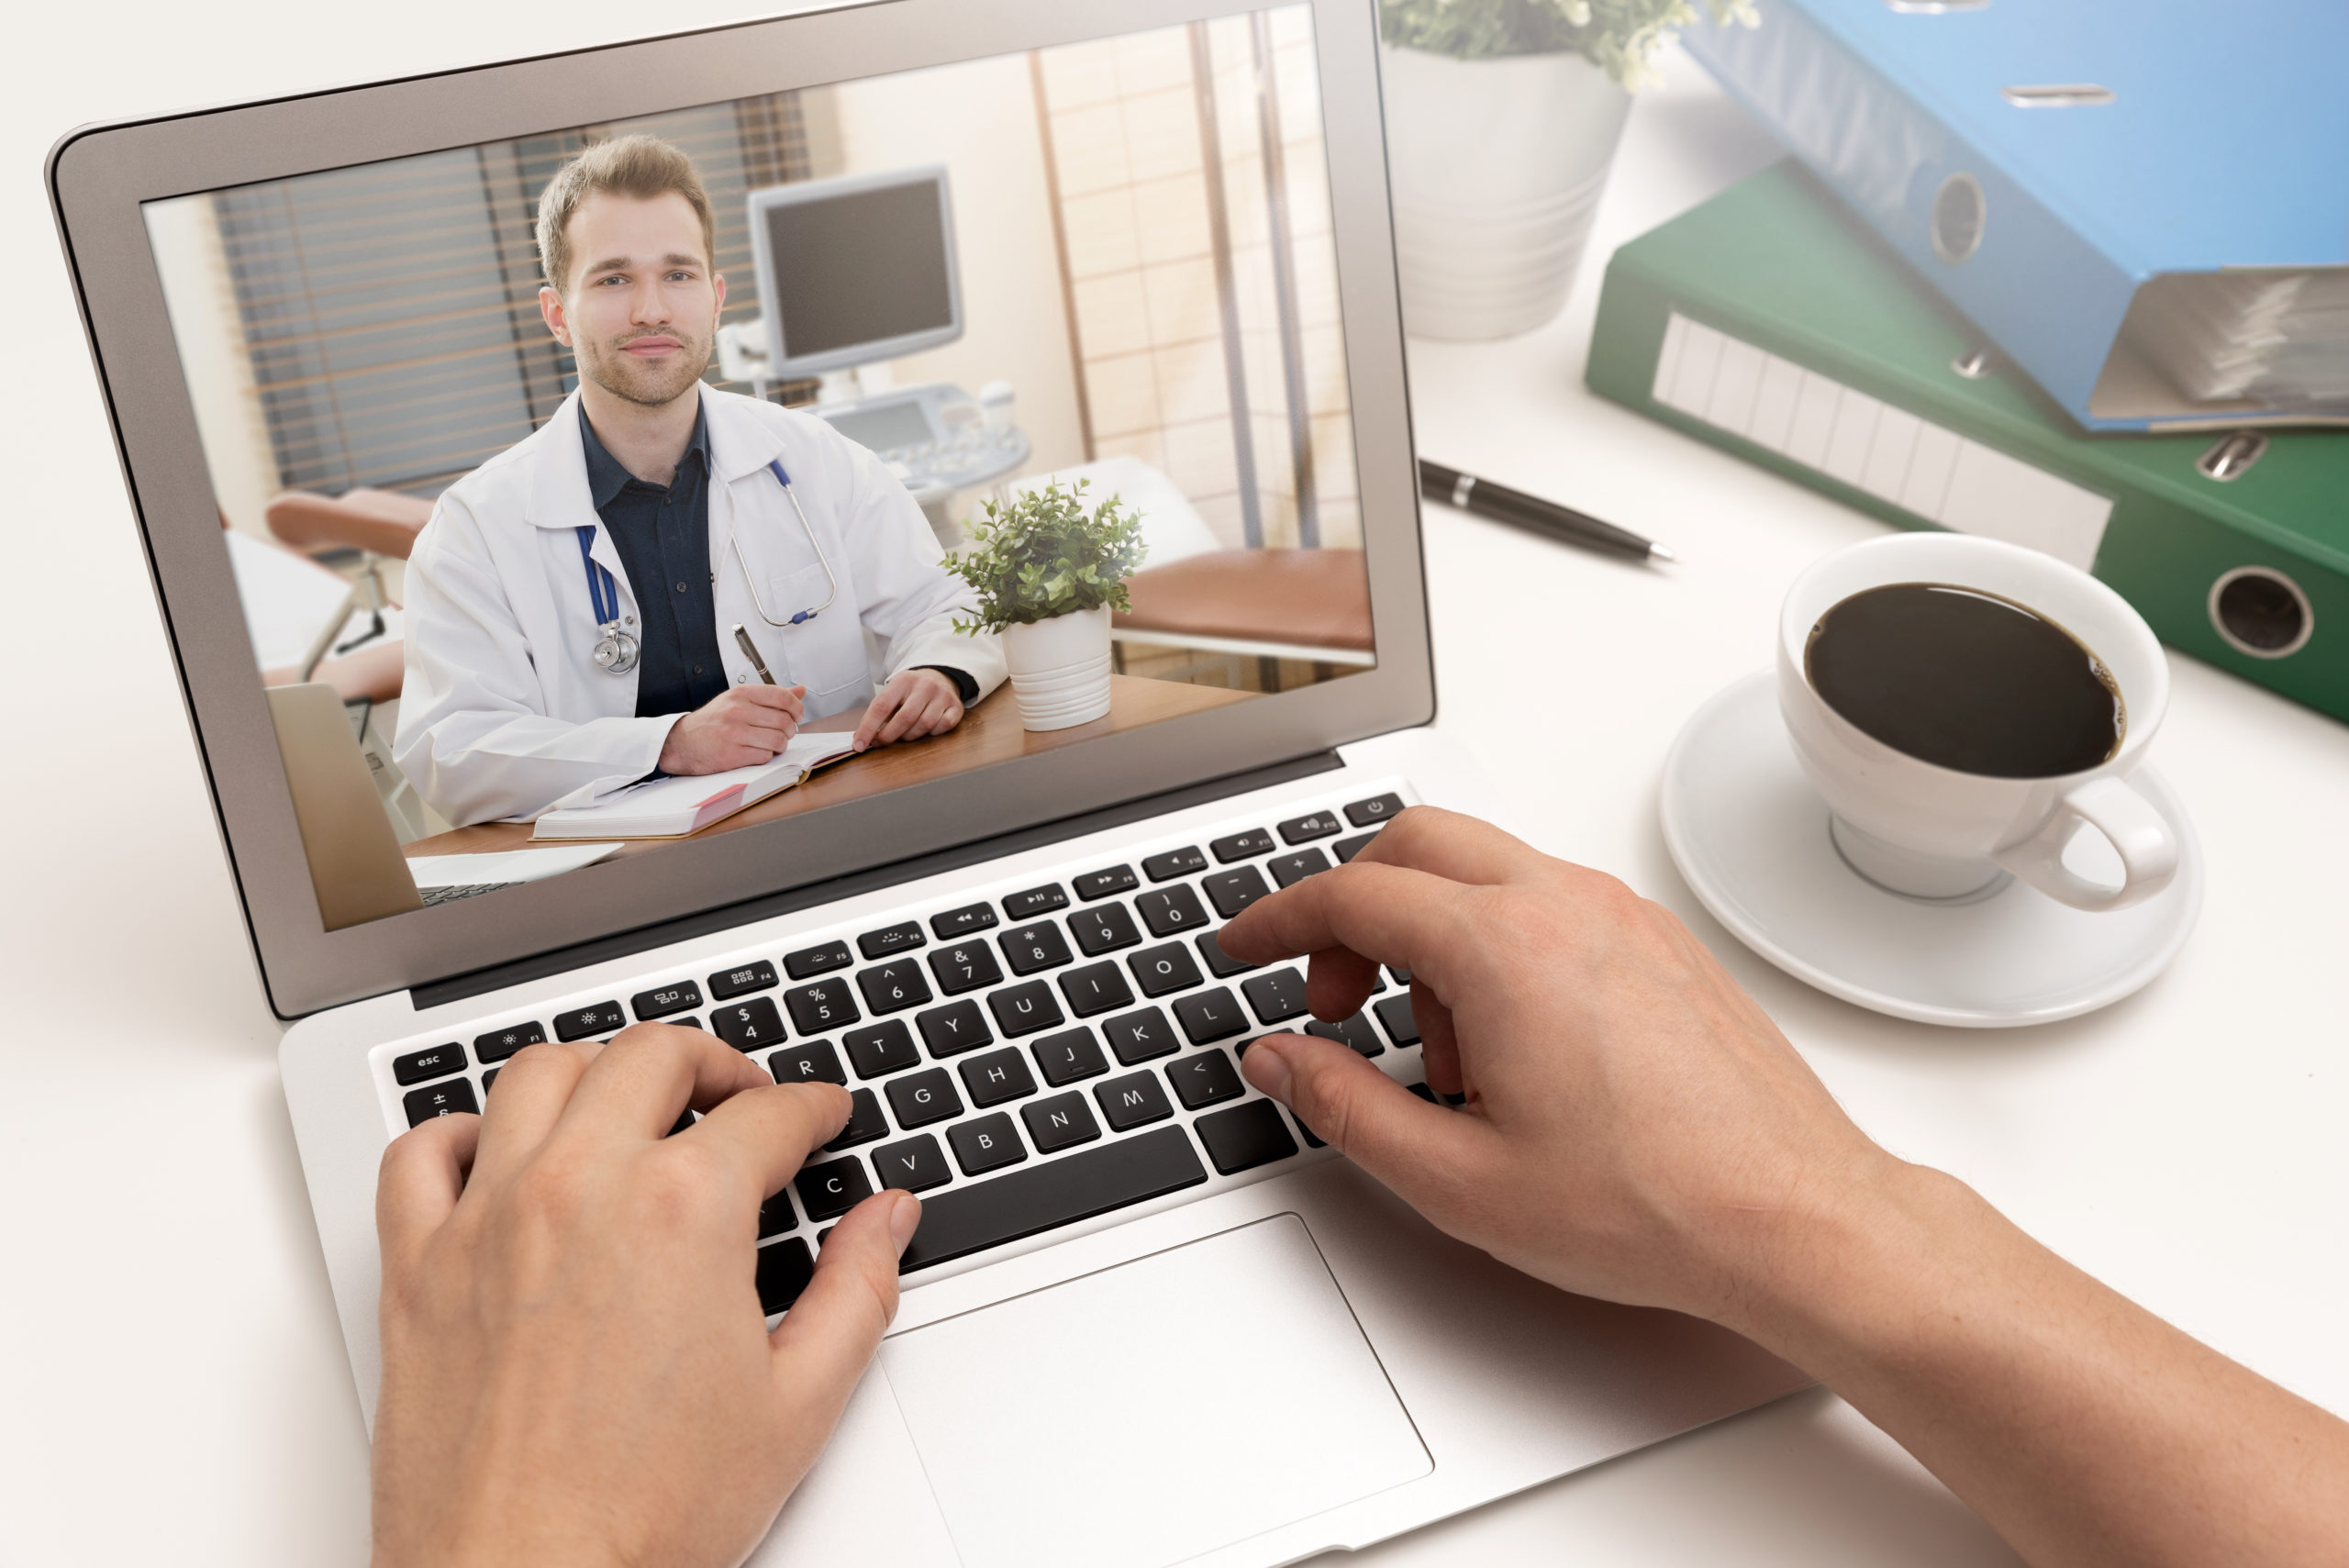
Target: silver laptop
[[1148, 1319]]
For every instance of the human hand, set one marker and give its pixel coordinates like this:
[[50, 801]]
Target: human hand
[[1635, 1127], [576, 1367], [740, 728], [914, 704]]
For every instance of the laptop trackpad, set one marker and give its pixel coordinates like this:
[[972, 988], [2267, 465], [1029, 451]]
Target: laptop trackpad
[[1155, 1410]]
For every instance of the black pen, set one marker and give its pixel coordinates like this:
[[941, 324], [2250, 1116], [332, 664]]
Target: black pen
[[1548, 518]]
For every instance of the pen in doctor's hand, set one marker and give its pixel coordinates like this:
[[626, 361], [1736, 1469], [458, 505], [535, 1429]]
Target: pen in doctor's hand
[[751, 651], [1548, 518]]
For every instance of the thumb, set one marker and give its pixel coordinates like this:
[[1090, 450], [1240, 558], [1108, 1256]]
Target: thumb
[[1419, 1152], [825, 1342]]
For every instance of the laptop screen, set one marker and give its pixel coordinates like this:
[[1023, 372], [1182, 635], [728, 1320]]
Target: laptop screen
[[982, 410]]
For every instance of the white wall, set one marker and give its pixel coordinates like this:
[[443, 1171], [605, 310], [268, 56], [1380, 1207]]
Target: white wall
[[979, 119], [202, 302]]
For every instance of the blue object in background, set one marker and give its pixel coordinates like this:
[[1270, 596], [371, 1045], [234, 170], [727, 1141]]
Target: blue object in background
[[2220, 141]]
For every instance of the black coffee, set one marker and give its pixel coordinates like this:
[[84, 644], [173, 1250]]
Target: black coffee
[[1965, 680]]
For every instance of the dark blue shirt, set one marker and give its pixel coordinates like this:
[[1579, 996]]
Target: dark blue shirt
[[662, 536]]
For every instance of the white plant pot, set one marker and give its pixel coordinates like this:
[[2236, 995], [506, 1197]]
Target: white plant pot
[[1497, 167], [1059, 668]]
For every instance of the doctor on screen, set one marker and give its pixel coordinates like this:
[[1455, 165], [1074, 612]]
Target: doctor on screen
[[571, 606]]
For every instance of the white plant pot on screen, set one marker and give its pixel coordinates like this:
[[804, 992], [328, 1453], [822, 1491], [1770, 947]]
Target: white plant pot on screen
[[1059, 668], [1497, 165]]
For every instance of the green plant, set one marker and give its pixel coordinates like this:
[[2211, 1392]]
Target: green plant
[[1621, 37], [1046, 555]]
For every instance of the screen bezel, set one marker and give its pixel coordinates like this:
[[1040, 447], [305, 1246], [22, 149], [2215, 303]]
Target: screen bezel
[[782, 362], [100, 175]]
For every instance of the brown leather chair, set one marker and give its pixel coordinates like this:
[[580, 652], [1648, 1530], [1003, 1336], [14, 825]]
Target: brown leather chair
[[376, 520], [1278, 604]]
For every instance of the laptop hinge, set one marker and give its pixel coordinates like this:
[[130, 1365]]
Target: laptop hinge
[[579, 955]]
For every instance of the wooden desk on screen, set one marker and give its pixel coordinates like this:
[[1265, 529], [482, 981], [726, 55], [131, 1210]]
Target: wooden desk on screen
[[989, 733]]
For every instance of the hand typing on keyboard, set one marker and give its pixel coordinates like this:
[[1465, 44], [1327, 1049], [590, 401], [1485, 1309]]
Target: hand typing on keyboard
[[1636, 1127], [576, 1367]]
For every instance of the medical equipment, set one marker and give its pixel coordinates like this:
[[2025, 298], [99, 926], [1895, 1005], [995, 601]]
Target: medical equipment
[[749, 579], [856, 269], [615, 649]]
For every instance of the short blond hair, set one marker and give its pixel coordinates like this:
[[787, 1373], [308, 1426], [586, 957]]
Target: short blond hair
[[639, 166]]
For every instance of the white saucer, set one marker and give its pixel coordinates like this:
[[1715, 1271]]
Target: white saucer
[[1749, 834]]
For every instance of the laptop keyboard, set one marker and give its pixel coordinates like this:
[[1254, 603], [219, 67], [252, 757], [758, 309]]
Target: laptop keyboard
[[1024, 1062]]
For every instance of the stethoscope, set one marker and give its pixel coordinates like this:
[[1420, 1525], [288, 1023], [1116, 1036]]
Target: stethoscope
[[616, 651]]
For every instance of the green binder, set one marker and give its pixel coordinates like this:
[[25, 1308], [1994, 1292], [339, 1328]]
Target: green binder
[[1769, 323]]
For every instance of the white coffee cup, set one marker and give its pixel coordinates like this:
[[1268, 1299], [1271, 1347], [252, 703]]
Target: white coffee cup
[[1936, 833]]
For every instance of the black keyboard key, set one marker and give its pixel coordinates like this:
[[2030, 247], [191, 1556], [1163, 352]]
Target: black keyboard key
[[690, 1022], [785, 1269], [1064, 1059], [604, 1018], [812, 1062], [1241, 846], [489, 1078], [1395, 1013], [915, 1164], [1233, 891], [965, 966], [1312, 824], [776, 1216], [893, 987], [1307, 1133], [748, 1025], [1132, 1101], [920, 1099], [1033, 948], [742, 980], [998, 1076], [902, 937], [879, 1049], [1174, 863], [988, 1143], [1220, 964], [1035, 901], [810, 962], [1096, 988], [1346, 850], [1400, 976], [1376, 810], [1171, 911], [499, 1044], [1276, 996], [1205, 1078], [1425, 1092], [1246, 1136], [1291, 869], [1059, 1192], [1138, 1037], [953, 1028], [831, 1189], [962, 922], [1355, 1032], [1210, 1015], [684, 1119], [822, 1007], [665, 1000], [435, 1061], [1105, 929], [440, 1099], [1096, 884], [1023, 1010], [1062, 1122], [1161, 971], [866, 1123]]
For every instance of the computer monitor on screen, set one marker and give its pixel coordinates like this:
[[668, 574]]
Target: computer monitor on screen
[[856, 269]]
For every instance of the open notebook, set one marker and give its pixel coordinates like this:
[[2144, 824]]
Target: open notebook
[[673, 807]]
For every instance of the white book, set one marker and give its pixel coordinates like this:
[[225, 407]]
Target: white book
[[673, 807]]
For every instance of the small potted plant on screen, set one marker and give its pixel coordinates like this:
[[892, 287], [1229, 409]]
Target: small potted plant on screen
[[1047, 571]]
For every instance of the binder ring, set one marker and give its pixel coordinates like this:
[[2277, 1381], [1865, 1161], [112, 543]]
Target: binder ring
[[1958, 213], [2259, 611]]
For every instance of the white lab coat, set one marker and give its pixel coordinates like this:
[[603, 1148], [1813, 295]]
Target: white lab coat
[[505, 714]]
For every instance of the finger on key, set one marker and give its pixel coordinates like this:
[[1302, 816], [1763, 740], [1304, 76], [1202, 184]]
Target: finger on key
[[766, 1134], [1387, 914], [532, 1088], [422, 1175], [825, 1342], [1438, 1044], [1337, 983], [1429, 838], [645, 1077]]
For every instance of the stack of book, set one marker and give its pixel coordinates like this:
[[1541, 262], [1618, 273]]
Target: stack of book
[[1969, 302]]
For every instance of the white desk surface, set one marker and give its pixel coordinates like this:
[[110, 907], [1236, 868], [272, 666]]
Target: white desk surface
[[172, 1385]]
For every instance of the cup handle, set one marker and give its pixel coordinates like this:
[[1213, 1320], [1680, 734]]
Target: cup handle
[[2147, 847]]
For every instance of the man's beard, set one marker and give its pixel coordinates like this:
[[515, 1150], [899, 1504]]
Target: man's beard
[[653, 384]]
